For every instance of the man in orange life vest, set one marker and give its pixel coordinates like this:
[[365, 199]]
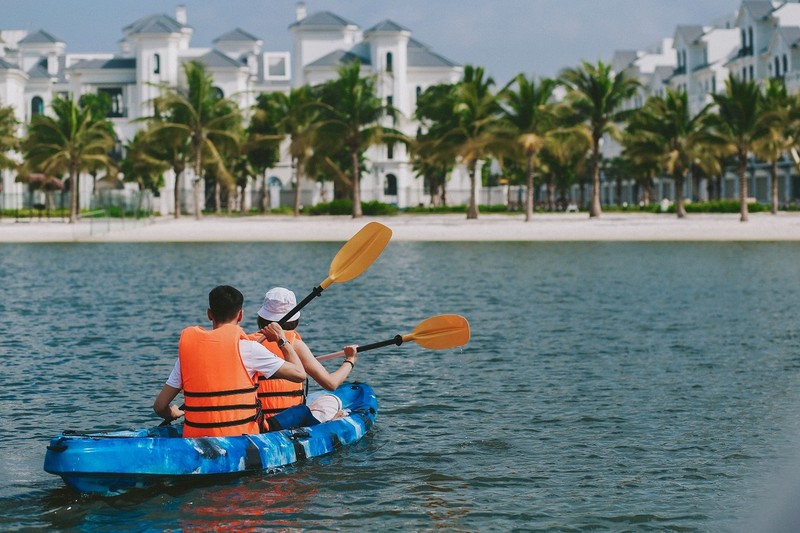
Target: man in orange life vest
[[279, 394], [216, 370]]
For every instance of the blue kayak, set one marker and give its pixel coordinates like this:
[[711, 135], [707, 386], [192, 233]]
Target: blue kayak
[[112, 463]]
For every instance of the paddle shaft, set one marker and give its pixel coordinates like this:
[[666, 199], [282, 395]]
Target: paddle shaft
[[316, 292], [397, 340]]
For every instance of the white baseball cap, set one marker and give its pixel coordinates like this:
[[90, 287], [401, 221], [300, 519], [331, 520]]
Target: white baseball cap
[[277, 302]]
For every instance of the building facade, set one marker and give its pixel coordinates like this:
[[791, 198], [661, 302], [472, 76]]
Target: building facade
[[36, 67]]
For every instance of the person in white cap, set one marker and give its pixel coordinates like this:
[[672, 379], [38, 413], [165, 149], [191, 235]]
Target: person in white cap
[[276, 395]]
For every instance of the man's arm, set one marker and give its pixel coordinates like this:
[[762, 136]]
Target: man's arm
[[162, 405], [292, 369]]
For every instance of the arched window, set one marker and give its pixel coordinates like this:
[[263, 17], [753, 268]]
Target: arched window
[[389, 62], [390, 185], [777, 67], [750, 39], [156, 64], [37, 106], [274, 181], [218, 93], [785, 64], [419, 91]]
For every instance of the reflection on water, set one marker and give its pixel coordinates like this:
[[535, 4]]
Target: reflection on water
[[610, 386]]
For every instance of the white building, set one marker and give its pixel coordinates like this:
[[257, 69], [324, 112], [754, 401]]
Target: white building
[[35, 68]]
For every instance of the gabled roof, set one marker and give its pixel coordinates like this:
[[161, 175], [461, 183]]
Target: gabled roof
[[758, 9], [625, 57], [386, 26], [323, 20], [790, 34], [5, 65], [421, 55], [343, 57], [115, 63], [216, 59], [154, 24], [237, 35], [424, 57], [39, 37], [690, 33], [39, 71]]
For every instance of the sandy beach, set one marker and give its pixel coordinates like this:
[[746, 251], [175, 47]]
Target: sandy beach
[[451, 227]]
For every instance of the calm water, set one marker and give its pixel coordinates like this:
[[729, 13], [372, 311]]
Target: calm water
[[607, 386]]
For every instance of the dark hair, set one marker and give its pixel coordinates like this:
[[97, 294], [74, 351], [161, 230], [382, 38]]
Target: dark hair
[[225, 302], [263, 322]]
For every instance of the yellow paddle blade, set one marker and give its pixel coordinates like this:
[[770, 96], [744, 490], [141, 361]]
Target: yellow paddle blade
[[440, 332], [358, 253]]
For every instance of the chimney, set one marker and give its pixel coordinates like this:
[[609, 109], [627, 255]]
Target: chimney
[[300, 11], [180, 14]]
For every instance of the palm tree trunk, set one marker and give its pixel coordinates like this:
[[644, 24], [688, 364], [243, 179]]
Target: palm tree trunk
[[551, 189], [773, 169], [595, 210], [73, 195], [298, 172], [743, 212], [680, 210], [529, 189], [217, 197], [357, 213], [472, 211], [444, 187], [177, 192], [264, 199], [78, 195]]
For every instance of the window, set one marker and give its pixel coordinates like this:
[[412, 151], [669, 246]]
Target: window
[[389, 151], [219, 94], [390, 100], [156, 64], [750, 39], [276, 65], [115, 99], [390, 185], [785, 64], [713, 85], [777, 67], [389, 62], [752, 77], [37, 106], [419, 91]]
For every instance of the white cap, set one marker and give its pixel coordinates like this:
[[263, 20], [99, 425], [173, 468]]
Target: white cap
[[278, 302]]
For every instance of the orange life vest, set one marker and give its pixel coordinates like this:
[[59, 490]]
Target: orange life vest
[[278, 394], [219, 395]]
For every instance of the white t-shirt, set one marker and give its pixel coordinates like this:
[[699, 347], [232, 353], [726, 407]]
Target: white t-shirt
[[255, 356]]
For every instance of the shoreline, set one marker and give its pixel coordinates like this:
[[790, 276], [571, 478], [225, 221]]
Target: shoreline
[[549, 227]]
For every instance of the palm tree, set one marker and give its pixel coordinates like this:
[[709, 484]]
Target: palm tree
[[433, 155], [735, 127], [666, 129], [774, 137], [71, 142], [197, 118], [596, 94], [9, 141], [143, 166], [530, 112], [351, 121], [479, 130], [296, 116]]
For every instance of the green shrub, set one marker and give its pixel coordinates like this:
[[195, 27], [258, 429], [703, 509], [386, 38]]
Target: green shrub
[[717, 206]]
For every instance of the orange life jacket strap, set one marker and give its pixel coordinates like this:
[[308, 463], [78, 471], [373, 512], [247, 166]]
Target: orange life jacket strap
[[281, 394], [219, 393], [216, 408], [241, 422]]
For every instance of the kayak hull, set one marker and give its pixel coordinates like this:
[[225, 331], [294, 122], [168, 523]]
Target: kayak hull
[[112, 463]]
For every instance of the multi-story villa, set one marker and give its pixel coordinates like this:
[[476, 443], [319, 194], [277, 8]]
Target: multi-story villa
[[35, 68], [758, 42]]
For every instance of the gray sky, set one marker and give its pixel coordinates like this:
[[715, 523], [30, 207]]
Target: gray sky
[[505, 36]]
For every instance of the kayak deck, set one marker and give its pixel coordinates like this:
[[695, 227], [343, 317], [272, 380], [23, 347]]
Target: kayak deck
[[111, 463]]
